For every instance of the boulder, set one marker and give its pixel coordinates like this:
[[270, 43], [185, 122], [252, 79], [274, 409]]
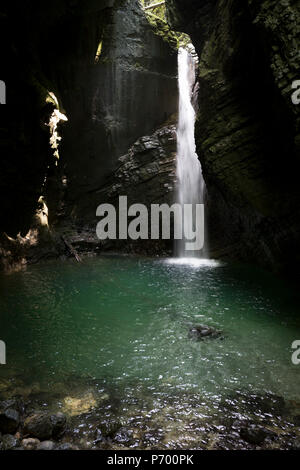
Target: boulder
[[9, 442], [67, 446], [39, 426], [30, 444], [12, 403], [46, 445], [44, 426], [59, 422], [296, 445], [201, 332], [9, 421], [254, 434]]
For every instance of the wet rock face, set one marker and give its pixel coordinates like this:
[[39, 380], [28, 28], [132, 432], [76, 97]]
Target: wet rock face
[[44, 426], [255, 434], [247, 128], [40, 44], [129, 91], [9, 442], [146, 174], [38, 426], [9, 421]]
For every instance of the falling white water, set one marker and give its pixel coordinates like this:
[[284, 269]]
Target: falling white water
[[191, 185]]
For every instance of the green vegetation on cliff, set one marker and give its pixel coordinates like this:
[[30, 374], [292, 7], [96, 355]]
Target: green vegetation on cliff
[[156, 14]]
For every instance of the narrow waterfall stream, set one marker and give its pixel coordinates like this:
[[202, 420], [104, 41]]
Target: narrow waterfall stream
[[191, 185]]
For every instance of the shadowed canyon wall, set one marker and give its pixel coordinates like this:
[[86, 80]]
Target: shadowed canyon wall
[[114, 78], [247, 129], [43, 45], [128, 93]]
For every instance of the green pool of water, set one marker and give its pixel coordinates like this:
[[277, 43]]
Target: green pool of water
[[123, 323]]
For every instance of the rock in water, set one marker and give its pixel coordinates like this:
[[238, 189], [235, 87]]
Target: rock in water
[[59, 424], [296, 445], [254, 434], [67, 446], [44, 426], [9, 421], [30, 444], [39, 426], [46, 445], [9, 442], [201, 332]]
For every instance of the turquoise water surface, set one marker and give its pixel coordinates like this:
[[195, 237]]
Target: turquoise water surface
[[122, 323]]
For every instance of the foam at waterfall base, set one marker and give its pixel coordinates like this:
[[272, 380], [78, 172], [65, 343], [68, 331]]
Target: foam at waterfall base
[[195, 262]]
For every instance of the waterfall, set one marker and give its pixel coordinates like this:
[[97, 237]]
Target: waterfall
[[191, 186]]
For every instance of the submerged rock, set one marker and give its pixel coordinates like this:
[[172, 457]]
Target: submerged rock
[[12, 403], [44, 426], [46, 445], [30, 444], [296, 445], [75, 406], [262, 403], [59, 422], [255, 435], [123, 436], [9, 442], [296, 420], [67, 446], [39, 425], [9, 421], [201, 332], [98, 438]]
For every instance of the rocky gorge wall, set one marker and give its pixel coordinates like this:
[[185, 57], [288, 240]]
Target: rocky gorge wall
[[247, 129], [114, 78], [43, 46], [128, 93]]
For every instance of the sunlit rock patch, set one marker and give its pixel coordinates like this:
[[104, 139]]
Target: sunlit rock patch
[[75, 406]]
